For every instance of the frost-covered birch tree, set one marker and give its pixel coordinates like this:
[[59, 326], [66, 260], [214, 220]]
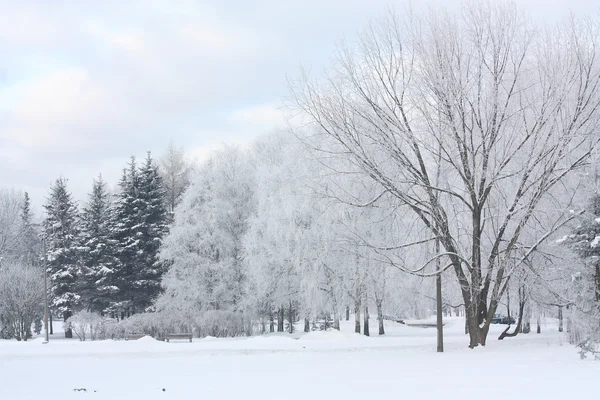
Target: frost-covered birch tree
[[10, 226], [176, 170], [205, 285]]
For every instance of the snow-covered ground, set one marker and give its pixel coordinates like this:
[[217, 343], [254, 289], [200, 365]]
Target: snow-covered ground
[[332, 365]]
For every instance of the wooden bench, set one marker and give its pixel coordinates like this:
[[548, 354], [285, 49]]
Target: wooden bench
[[134, 336], [179, 336]]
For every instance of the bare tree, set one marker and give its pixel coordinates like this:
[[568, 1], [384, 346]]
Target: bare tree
[[10, 224], [504, 113], [21, 297], [176, 171]]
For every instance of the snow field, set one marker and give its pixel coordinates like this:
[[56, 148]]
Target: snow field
[[332, 365]]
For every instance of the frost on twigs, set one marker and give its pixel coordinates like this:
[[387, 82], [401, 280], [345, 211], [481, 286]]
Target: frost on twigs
[[589, 347]]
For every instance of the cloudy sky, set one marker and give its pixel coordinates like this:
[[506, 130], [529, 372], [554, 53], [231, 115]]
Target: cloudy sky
[[86, 84]]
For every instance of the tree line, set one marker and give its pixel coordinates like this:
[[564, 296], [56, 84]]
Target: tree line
[[450, 145], [101, 258]]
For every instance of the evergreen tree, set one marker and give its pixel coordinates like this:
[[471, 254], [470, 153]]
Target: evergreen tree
[[153, 225], [140, 221], [584, 285], [125, 228], [98, 260], [63, 251]]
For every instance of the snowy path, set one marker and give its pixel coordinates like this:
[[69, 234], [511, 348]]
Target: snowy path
[[316, 366]]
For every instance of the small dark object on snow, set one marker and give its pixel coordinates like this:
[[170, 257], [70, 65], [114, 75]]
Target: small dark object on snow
[[80, 390], [164, 390]]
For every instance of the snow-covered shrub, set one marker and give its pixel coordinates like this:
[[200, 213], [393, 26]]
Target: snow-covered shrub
[[220, 323], [86, 324], [21, 299], [81, 324], [583, 328], [105, 329], [155, 324]]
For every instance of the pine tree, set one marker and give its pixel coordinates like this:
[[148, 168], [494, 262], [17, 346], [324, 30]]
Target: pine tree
[[153, 224], [62, 243], [140, 220], [125, 228], [98, 261]]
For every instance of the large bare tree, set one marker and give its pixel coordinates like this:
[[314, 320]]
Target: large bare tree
[[500, 111]]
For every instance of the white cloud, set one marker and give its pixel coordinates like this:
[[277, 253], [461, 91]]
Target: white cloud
[[83, 85], [55, 111], [26, 26]]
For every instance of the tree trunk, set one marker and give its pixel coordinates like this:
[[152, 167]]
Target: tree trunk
[[357, 316], [291, 318], [336, 319], [597, 279], [380, 317], [439, 321], [280, 317], [51, 328], [508, 301], [306, 325], [539, 327], [477, 335], [560, 318], [69, 331], [347, 313], [366, 319], [438, 301], [271, 322], [527, 317], [519, 321]]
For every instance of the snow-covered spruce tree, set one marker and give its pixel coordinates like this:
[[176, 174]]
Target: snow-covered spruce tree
[[124, 233], [153, 226], [139, 224], [206, 282], [98, 259], [584, 312], [62, 235]]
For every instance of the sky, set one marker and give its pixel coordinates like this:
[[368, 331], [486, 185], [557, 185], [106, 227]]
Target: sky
[[85, 84]]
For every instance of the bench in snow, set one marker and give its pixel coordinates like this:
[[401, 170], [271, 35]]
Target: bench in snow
[[179, 336]]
